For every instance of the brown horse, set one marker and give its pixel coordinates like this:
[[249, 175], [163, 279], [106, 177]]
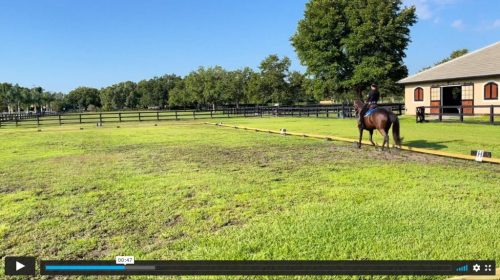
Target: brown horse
[[382, 120]]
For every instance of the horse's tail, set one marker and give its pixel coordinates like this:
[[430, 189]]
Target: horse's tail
[[395, 129]]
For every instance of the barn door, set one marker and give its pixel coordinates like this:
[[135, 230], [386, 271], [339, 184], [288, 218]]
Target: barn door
[[468, 99], [435, 99]]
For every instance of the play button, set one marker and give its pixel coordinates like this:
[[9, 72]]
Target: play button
[[20, 266]]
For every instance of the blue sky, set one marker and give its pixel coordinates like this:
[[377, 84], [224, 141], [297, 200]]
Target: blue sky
[[62, 44]]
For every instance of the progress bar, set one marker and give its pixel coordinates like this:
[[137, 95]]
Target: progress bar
[[269, 268]]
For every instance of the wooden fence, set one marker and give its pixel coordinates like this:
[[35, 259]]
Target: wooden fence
[[336, 110], [4, 117], [341, 111], [459, 112]]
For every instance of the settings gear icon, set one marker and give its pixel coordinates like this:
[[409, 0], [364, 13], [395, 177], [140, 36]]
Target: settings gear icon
[[476, 268]]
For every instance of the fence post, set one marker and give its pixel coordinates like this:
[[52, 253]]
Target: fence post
[[461, 113], [15, 118], [211, 114], [119, 117], [100, 118], [80, 118], [157, 115], [327, 113], [139, 116], [176, 117], [400, 109], [60, 122], [317, 112], [492, 114], [440, 113], [194, 114], [37, 120]]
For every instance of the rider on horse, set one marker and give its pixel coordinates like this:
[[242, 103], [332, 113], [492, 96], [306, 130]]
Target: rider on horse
[[373, 97]]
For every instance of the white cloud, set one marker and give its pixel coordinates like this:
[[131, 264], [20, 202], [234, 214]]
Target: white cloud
[[428, 9], [488, 25], [457, 24], [496, 23], [423, 10]]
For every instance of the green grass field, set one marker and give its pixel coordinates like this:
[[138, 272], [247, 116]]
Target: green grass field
[[452, 137], [183, 190]]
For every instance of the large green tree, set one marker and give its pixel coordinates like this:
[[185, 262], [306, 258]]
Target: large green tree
[[348, 44]]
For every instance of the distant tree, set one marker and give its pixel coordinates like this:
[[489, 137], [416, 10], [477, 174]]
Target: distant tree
[[59, 103], [154, 92], [5, 89], [48, 99], [194, 86], [180, 97], [120, 96], [37, 94], [24, 98], [273, 82], [14, 98], [235, 86], [214, 86], [453, 55], [81, 97], [253, 89], [349, 44]]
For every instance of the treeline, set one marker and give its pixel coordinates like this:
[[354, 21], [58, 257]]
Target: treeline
[[15, 98], [204, 88]]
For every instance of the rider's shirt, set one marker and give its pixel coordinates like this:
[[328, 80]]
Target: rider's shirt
[[373, 97]]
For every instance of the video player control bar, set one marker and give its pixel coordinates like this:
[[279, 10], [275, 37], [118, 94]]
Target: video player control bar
[[269, 268]]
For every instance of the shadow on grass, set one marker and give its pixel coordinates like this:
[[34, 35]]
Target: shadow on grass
[[428, 144]]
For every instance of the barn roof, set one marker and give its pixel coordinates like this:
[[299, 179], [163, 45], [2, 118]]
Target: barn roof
[[480, 63]]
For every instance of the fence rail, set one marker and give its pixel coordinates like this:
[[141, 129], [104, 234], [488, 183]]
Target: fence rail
[[340, 111], [491, 111], [4, 117]]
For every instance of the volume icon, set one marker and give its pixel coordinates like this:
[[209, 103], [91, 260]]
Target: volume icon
[[463, 268]]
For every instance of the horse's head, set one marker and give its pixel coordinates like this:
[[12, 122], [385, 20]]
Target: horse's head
[[358, 105]]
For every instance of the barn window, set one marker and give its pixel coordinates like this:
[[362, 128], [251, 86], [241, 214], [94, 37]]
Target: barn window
[[435, 93], [467, 92], [419, 94], [491, 91]]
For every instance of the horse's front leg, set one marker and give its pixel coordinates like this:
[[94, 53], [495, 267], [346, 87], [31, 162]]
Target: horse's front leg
[[360, 136]]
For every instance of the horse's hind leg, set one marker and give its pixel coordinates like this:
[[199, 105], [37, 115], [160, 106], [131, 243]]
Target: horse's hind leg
[[371, 138], [386, 138]]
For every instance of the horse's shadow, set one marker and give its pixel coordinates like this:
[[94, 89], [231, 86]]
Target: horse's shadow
[[426, 144]]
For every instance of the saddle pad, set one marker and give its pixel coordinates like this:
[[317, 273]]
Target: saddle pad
[[371, 111]]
